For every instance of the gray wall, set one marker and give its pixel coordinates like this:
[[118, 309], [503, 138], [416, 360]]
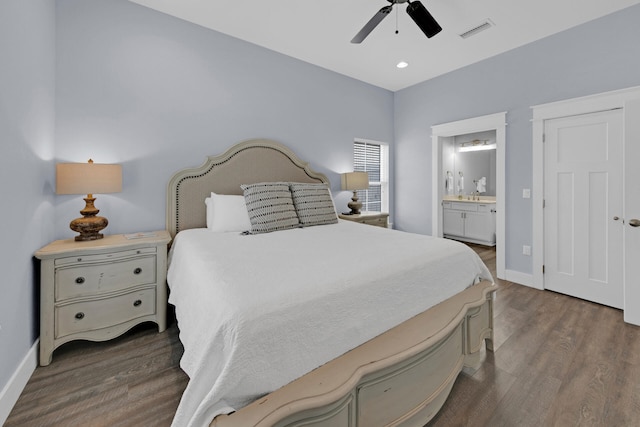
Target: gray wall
[[27, 32], [158, 94], [595, 57]]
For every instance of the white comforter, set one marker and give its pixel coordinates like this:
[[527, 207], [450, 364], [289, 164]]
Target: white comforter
[[256, 312]]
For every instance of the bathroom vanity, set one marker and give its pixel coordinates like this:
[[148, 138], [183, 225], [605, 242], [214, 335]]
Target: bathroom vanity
[[471, 221]]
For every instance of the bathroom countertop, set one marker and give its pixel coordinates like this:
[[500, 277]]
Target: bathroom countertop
[[486, 199]]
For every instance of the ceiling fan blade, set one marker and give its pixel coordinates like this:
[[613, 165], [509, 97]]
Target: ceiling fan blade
[[423, 19], [373, 23]]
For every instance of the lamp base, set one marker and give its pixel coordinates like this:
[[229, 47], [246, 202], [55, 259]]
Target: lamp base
[[90, 225], [354, 204]]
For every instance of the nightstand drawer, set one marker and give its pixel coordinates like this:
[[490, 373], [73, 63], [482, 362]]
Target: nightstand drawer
[[90, 279], [380, 222], [101, 313], [378, 219], [109, 256]]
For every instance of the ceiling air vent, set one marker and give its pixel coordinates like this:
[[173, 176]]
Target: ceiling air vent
[[484, 25]]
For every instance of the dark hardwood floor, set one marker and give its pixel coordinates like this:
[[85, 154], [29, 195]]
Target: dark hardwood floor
[[558, 361]]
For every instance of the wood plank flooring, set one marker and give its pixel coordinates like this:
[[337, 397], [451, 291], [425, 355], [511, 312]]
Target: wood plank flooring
[[558, 361], [133, 380]]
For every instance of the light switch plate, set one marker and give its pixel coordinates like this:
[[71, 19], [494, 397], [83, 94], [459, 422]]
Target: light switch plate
[[526, 193]]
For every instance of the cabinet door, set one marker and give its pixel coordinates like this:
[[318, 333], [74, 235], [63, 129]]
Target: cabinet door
[[478, 226], [453, 223]]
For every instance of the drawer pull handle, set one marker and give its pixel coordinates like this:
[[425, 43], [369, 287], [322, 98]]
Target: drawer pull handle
[[137, 303], [79, 280], [137, 271], [80, 315]]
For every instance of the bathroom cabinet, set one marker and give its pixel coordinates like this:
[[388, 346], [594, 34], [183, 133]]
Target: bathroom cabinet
[[470, 221]]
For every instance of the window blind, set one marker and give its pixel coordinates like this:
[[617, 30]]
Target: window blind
[[367, 158]]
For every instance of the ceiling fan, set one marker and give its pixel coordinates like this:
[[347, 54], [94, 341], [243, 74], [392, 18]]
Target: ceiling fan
[[416, 11]]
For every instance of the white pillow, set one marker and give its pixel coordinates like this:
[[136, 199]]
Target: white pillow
[[227, 213]]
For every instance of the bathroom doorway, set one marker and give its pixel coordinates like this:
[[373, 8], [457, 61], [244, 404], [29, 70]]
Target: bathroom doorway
[[447, 136]]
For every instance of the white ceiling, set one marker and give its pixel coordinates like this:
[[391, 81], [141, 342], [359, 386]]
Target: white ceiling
[[319, 31]]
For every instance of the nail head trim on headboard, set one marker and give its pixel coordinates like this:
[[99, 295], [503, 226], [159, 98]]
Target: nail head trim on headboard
[[256, 160]]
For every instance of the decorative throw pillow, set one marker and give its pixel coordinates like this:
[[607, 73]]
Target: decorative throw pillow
[[270, 207], [313, 204], [227, 213]]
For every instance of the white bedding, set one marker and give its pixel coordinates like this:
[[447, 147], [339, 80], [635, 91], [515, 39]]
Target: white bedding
[[256, 312]]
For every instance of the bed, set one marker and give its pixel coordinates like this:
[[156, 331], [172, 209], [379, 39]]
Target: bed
[[304, 327]]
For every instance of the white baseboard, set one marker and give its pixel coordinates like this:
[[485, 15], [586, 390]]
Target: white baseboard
[[520, 278], [11, 392]]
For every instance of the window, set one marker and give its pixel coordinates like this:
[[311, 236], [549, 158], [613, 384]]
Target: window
[[373, 157]]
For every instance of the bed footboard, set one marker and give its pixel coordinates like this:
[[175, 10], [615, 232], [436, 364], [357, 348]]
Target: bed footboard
[[401, 377]]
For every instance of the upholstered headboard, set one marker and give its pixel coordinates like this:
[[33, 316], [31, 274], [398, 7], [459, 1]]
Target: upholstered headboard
[[256, 160]]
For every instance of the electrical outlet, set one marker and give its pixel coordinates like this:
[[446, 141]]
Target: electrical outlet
[[526, 250], [526, 193]]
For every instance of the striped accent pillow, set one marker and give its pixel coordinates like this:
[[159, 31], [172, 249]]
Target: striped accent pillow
[[270, 207], [313, 204]]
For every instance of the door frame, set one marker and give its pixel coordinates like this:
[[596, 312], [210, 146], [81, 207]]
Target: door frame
[[492, 122], [570, 107]]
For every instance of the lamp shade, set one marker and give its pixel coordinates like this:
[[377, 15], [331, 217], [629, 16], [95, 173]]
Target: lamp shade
[[355, 181], [88, 178]]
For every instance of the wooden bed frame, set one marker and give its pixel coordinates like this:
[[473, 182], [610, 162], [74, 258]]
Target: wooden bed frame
[[402, 377]]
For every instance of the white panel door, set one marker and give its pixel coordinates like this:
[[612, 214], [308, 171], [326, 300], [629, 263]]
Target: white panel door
[[583, 193], [632, 212]]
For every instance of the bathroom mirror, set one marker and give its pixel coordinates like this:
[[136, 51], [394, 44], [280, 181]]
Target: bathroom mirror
[[462, 168]]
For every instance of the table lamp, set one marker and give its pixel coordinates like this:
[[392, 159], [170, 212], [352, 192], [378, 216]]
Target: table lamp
[[354, 181], [88, 178]]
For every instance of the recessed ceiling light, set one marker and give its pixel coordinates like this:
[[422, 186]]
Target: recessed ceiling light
[[402, 64]]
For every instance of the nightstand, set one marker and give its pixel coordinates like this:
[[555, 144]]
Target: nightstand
[[370, 218], [97, 290]]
